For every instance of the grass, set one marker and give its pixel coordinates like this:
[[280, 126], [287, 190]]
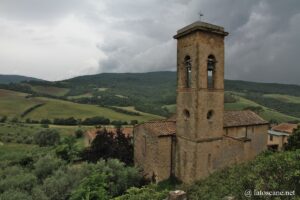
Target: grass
[[50, 90], [171, 108], [86, 95], [267, 114], [284, 98], [13, 104], [13, 151], [243, 103], [148, 115], [20, 131]]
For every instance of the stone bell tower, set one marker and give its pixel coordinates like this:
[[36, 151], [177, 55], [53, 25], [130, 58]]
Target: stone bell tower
[[200, 99]]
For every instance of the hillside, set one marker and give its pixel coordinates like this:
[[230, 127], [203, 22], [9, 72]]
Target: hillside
[[15, 104], [155, 92], [5, 79]]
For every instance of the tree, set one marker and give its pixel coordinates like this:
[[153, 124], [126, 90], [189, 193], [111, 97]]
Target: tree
[[47, 137], [3, 119], [79, 133], [110, 145], [68, 150], [109, 179], [294, 140], [45, 166]]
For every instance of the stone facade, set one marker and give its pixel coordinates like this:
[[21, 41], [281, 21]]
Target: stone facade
[[202, 138]]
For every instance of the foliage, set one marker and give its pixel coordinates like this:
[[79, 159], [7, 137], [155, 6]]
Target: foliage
[[67, 121], [294, 140], [109, 179], [68, 150], [268, 172], [96, 121], [110, 145], [47, 137], [27, 111], [3, 119], [151, 192], [289, 108], [45, 166], [256, 109], [79, 133]]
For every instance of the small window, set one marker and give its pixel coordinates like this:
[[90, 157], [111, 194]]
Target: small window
[[271, 137], [188, 71], [186, 114], [210, 114], [211, 67]]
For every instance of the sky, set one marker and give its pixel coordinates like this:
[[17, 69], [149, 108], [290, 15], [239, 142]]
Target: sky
[[60, 39]]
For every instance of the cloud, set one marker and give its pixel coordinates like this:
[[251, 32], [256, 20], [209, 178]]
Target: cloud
[[64, 38]]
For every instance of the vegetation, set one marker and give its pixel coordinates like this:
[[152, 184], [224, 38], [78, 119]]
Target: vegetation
[[14, 104], [294, 140], [110, 145], [47, 137]]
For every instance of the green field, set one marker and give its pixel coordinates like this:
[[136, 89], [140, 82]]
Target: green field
[[243, 103], [13, 104], [81, 96], [284, 98], [267, 113], [50, 90]]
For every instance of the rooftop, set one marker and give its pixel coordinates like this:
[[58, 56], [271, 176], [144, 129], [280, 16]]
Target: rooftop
[[285, 128], [242, 118], [231, 119], [200, 26]]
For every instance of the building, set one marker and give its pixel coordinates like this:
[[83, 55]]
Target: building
[[201, 138], [278, 135]]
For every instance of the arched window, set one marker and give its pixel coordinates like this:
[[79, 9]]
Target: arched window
[[188, 71], [211, 68]]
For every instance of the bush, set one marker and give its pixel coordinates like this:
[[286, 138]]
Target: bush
[[3, 119], [15, 195], [294, 140], [109, 179], [45, 166], [96, 121], [44, 125], [79, 133], [47, 137], [110, 145], [68, 121]]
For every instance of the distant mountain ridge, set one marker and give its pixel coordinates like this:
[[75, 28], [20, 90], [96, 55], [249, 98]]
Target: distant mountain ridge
[[155, 93], [6, 79]]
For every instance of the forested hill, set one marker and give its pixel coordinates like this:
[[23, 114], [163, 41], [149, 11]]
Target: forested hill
[[155, 92], [5, 79]]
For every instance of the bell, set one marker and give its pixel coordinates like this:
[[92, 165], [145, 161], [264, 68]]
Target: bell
[[210, 65]]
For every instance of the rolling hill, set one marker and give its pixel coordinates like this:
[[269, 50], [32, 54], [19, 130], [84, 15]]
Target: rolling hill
[[155, 92], [5, 79], [14, 104]]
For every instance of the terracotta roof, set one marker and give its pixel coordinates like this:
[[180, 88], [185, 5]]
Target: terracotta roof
[[231, 119], [160, 128], [285, 128], [242, 118]]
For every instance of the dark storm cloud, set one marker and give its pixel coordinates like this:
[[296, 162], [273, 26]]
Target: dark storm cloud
[[76, 36]]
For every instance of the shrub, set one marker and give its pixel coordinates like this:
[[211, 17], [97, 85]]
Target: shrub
[[294, 140], [45, 166], [79, 133], [109, 179], [47, 137]]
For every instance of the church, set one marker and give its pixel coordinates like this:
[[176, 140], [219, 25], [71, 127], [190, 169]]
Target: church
[[201, 138]]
